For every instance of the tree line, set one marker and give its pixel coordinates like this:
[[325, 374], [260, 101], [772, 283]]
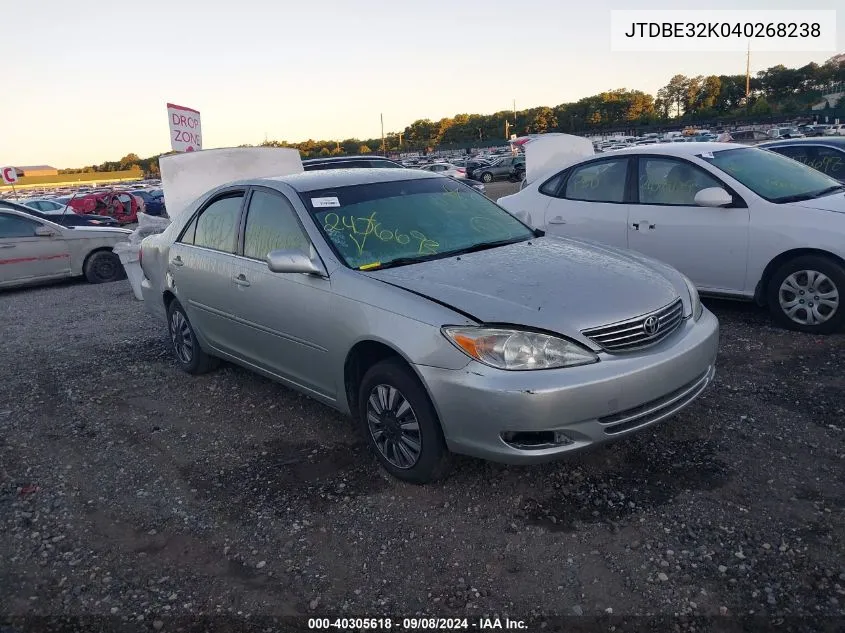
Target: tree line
[[683, 100]]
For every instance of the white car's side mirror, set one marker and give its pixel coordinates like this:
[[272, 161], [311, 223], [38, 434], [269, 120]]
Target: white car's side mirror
[[713, 197], [44, 231]]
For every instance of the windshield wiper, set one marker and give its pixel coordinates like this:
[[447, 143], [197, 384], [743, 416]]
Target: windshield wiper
[[832, 189], [400, 261], [483, 246], [404, 261], [801, 197]]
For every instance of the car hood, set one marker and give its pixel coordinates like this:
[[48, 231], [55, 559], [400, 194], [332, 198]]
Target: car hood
[[550, 283], [835, 203]]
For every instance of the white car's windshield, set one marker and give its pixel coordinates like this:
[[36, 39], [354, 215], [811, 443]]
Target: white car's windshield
[[397, 223], [772, 176]]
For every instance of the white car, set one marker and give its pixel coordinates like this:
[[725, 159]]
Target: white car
[[46, 205], [739, 221], [446, 169], [34, 250]]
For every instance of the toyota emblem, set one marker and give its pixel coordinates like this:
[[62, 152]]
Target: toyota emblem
[[651, 325]]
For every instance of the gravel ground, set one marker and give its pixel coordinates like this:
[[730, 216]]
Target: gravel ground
[[132, 490]]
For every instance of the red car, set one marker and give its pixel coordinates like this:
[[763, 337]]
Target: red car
[[120, 205]]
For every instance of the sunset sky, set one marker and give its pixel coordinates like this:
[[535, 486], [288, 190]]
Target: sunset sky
[[88, 81]]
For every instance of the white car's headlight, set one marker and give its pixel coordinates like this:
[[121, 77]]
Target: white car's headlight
[[695, 300], [517, 349]]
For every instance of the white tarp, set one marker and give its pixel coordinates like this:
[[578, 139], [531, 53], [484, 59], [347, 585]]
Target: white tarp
[[549, 152], [186, 177], [128, 251]]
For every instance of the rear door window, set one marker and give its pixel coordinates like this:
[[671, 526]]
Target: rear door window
[[217, 224], [602, 181]]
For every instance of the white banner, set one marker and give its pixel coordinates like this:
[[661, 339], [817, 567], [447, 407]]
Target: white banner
[[185, 128]]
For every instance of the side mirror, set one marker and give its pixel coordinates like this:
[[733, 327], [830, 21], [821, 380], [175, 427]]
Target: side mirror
[[44, 231], [293, 261], [713, 197]]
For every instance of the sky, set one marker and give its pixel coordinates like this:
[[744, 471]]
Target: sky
[[88, 81]]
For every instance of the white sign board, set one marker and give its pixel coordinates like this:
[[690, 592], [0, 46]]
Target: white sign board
[[185, 129], [9, 175], [186, 177]]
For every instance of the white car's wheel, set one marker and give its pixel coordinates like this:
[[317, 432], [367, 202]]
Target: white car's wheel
[[808, 294]]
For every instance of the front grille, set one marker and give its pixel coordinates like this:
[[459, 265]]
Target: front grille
[[633, 334], [658, 409]]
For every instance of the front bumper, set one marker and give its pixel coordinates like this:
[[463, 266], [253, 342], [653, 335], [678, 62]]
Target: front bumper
[[587, 405]]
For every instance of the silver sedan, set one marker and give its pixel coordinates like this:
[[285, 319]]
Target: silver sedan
[[34, 250], [433, 317]]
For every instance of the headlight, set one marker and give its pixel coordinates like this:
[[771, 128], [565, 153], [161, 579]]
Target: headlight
[[695, 300], [517, 349]]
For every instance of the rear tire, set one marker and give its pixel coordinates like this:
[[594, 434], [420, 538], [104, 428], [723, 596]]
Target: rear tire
[[401, 425], [807, 294], [189, 354], [103, 267]]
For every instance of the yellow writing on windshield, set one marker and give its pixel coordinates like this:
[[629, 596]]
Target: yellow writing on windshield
[[359, 229]]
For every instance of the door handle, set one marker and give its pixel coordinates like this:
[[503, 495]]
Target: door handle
[[557, 220], [241, 280], [645, 224], [177, 261]]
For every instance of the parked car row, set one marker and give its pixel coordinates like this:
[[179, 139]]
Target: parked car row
[[100, 207], [445, 323]]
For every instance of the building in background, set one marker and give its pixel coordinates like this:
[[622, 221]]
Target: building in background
[[36, 170]]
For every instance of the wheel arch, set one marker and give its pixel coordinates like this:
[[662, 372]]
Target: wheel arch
[[363, 355], [94, 251], [780, 260]]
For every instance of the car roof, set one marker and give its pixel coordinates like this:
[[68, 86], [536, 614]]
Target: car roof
[[813, 140], [330, 178], [340, 159], [679, 149]]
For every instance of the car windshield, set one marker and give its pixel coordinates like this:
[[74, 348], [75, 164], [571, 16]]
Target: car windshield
[[404, 222], [772, 176]]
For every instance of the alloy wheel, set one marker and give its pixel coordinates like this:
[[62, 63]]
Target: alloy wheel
[[808, 297], [182, 337], [394, 426]]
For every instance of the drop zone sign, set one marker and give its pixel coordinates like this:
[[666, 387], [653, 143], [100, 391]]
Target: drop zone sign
[[185, 130]]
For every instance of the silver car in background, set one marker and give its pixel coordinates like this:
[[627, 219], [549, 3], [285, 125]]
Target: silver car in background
[[429, 314], [35, 250]]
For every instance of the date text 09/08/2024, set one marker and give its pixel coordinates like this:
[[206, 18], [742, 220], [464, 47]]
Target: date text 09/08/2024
[[416, 624]]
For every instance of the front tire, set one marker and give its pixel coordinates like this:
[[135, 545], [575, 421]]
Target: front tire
[[486, 177], [401, 425], [806, 294], [103, 267], [190, 355]]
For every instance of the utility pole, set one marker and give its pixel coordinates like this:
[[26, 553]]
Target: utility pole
[[514, 111], [383, 147], [748, 74], [400, 139], [507, 129]]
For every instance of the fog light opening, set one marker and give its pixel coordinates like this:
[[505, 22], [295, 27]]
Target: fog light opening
[[535, 440]]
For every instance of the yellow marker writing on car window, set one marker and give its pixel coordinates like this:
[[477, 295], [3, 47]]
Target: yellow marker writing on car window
[[369, 266]]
